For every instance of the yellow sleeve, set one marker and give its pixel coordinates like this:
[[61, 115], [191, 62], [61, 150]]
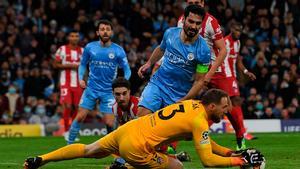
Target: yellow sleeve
[[204, 147], [220, 150]]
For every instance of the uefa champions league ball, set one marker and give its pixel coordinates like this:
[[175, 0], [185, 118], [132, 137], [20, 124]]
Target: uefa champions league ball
[[262, 166]]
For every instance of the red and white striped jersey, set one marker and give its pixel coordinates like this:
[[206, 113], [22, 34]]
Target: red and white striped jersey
[[228, 68], [210, 30], [123, 116], [66, 55]]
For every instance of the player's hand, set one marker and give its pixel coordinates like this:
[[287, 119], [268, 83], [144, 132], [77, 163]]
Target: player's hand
[[82, 84], [75, 65], [252, 157], [143, 69], [251, 75], [207, 78]]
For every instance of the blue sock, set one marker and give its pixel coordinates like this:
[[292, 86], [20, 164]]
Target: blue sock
[[74, 130]]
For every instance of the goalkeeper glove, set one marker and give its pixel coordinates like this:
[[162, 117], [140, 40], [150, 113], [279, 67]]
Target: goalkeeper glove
[[252, 157]]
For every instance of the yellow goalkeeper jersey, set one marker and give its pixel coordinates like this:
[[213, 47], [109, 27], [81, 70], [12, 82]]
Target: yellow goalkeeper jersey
[[187, 119]]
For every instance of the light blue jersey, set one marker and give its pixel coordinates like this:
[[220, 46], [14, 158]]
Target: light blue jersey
[[103, 65], [175, 77]]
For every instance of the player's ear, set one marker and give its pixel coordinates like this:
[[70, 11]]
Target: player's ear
[[211, 106], [97, 33]]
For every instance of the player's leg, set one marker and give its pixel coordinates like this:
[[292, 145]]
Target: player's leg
[[67, 109], [136, 151], [157, 160], [99, 149], [76, 95], [106, 102], [87, 104], [66, 101], [235, 116], [109, 120], [150, 101], [237, 120]]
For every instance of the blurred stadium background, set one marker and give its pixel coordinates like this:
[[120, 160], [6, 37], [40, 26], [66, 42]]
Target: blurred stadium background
[[32, 30]]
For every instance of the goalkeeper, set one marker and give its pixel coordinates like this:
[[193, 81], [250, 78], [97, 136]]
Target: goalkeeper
[[137, 141]]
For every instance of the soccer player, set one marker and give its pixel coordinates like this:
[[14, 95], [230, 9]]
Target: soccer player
[[126, 105], [67, 59], [212, 33], [104, 57], [184, 119], [226, 80], [186, 60], [124, 109]]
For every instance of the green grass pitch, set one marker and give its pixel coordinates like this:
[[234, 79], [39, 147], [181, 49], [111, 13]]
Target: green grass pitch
[[282, 151]]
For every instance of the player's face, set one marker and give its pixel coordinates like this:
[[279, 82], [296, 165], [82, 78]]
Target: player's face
[[219, 110], [236, 32], [192, 25], [196, 2], [122, 96], [73, 38], [104, 32]]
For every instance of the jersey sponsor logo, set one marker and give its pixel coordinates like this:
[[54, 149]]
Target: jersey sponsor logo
[[175, 59], [190, 56], [102, 64], [111, 55]]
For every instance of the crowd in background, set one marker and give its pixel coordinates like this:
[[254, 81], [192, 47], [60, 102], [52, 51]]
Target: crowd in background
[[32, 30]]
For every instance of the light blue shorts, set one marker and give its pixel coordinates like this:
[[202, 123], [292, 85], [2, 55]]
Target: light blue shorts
[[89, 99], [153, 98]]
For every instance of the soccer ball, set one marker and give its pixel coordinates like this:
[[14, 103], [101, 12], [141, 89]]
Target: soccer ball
[[262, 166]]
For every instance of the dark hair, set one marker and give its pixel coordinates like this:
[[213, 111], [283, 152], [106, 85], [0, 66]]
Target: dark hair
[[120, 82], [195, 9], [213, 96], [72, 31], [105, 22], [237, 24]]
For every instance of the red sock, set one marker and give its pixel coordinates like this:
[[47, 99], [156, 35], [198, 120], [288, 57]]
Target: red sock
[[237, 120], [174, 144], [163, 148], [66, 116]]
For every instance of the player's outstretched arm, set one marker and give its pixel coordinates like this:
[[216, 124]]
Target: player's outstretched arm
[[155, 56], [197, 86], [242, 68], [211, 154], [220, 150]]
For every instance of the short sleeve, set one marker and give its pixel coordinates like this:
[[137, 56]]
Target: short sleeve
[[163, 44]]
